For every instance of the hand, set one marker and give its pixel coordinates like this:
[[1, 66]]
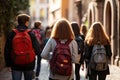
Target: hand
[[82, 67], [9, 69]]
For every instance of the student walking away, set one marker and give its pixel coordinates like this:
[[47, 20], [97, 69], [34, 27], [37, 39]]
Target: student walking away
[[40, 35], [97, 52], [83, 32], [47, 33], [64, 51], [80, 42], [20, 50]]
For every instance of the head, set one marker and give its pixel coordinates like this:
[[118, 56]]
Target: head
[[37, 24], [83, 29], [48, 31], [62, 30], [23, 19], [75, 28], [97, 35]]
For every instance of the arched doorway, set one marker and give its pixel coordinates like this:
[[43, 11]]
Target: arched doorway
[[108, 21], [90, 18], [91, 14]]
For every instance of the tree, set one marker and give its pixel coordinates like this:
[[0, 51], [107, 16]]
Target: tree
[[8, 11]]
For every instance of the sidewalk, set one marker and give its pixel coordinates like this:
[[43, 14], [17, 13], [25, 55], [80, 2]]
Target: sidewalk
[[114, 73]]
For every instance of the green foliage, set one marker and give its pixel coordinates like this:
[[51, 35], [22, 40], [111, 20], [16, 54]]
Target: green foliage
[[8, 11]]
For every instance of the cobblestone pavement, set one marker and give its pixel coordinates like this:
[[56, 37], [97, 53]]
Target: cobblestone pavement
[[114, 73]]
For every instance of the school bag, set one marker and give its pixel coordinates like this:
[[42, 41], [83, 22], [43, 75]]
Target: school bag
[[98, 59], [37, 35], [23, 52], [61, 62]]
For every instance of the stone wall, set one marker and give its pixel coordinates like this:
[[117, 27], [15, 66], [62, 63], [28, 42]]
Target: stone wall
[[2, 43]]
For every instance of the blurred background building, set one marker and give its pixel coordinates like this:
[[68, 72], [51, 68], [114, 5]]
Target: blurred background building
[[39, 11]]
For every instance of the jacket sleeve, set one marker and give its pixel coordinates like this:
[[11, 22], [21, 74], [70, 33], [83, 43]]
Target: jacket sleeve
[[8, 49], [35, 44], [74, 52], [87, 52], [47, 49], [108, 51]]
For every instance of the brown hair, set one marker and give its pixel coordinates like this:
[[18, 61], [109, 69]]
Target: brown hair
[[83, 29], [62, 30], [96, 34], [48, 31], [22, 19], [37, 24], [75, 28]]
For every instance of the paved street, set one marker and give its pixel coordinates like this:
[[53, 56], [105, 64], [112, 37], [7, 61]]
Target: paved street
[[115, 73]]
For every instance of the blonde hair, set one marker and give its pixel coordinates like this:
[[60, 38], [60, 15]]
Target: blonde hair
[[62, 30], [96, 34]]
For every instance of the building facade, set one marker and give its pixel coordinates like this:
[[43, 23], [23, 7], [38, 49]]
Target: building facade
[[39, 11], [62, 9]]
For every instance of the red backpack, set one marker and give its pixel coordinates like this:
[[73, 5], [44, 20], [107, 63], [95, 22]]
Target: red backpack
[[23, 52], [61, 62], [38, 35]]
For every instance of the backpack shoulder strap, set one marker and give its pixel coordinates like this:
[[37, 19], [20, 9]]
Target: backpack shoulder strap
[[57, 40], [15, 30], [27, 30], [68, 41]]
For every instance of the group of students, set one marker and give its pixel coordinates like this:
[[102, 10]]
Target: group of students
[[62, 31]]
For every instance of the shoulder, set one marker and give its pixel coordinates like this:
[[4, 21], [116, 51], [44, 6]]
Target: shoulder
[[31, 33], [42, 31], [73, 42], [11, 34], [88, 46], [79, 39], [107, 46], [51, 40], [83, 37]]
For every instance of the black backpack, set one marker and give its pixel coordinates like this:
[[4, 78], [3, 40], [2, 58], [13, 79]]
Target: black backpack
[[80, 43]]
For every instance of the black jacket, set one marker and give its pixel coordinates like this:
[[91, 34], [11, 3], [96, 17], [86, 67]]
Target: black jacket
[[87, 56], [8, 50]]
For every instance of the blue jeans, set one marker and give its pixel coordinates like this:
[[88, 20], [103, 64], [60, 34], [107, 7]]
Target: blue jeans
[[17, 75]]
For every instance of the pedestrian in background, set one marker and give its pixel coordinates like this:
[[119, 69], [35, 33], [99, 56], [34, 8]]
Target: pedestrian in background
[[61, 31], [80, 41], [83, 30], [47, 33], [40, 36], [17, 49], [97, 36]]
